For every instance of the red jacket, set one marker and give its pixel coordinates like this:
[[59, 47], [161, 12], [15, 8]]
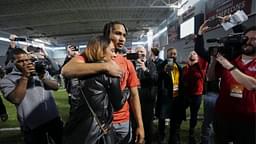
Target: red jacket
[[194, 76]]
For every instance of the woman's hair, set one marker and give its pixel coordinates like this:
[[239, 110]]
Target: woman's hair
[[96, 48]]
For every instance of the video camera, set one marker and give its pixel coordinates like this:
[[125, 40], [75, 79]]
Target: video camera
[[39, 62], [231, 45], [40, 66], [73, 48]]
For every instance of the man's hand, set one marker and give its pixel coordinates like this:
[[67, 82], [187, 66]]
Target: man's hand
[[224, 62], [42, 76], [142, 64], [203, 28], [27, 69], [140, 135], [114, 69], [167, 69], [224, 18]]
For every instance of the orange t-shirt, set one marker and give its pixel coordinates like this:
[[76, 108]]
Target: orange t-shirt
[[129, 79]]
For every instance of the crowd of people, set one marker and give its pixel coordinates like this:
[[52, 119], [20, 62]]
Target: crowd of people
[[114, 99]]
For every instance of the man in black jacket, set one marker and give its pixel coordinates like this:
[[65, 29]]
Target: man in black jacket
[[70, 83], [147, 74], [170, 101]]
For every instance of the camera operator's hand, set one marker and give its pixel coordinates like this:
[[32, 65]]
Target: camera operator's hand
[[41, 76], [224, 62], [224, 18], [203, 28], [27, 69]]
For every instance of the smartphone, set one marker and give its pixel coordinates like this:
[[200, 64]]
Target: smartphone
[[170, 61], [132, 56], [19, 39], [214, 22]]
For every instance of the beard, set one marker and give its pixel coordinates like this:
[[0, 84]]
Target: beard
[[249, 50]]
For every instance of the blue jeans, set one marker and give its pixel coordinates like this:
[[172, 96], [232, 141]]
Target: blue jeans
[[124, 130], [207, 129]]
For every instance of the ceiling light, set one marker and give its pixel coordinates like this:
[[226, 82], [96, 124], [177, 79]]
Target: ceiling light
[[4, 39]]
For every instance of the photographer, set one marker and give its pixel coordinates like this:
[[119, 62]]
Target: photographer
[[9, 53], [235, 108], [194, 73], [70, 83], [170, 100], [147, 74], [43, 61], [30, 91]]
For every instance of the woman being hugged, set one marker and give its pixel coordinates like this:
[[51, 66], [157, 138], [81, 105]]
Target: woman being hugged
[[103, 95]]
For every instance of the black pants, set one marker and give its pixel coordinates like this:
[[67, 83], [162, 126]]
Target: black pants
[[178, 114], [147, 116], [238, 129], [51, 130], [194, 103]]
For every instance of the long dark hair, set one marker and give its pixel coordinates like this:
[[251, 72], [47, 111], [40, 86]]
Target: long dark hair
[[109, 27]]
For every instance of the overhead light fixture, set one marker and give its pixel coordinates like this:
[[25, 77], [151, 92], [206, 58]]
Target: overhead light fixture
[[58, 48], [160, 32], [42, 41], [4, 39], [139, 43], [82, 46]]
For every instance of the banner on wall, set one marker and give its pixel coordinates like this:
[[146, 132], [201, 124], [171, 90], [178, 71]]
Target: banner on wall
[[215, 8], [173, 33]]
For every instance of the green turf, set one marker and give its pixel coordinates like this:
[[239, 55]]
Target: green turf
[[15, 137]]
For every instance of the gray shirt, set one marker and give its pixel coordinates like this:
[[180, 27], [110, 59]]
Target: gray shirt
[[38, 105]]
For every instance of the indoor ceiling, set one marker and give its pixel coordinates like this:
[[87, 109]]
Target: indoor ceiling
[[75, 21]]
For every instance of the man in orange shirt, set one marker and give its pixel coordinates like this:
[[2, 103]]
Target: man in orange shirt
[[123, 68]]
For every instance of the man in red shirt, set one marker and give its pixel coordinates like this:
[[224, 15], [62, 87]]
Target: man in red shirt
[[235, 118], [193, 75], [123, 68]]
